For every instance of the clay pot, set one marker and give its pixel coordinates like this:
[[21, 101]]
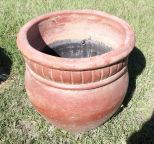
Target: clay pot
[[76, 66]]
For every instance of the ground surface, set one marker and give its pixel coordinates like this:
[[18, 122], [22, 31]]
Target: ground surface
[[19, 122]]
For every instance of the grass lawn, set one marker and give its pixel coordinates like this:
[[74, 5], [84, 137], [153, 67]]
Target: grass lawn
[[19, 122]]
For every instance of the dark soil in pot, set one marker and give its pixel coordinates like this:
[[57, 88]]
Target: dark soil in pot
[[76, 48]]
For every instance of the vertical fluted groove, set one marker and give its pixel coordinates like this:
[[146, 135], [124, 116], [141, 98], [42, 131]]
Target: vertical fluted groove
[[71, 77], [51, 74], [110, 70], [82, 78], [92, 76], [117, 68], [42, 69], [102, 74], [35, 67], [99, 73], [61, 76]]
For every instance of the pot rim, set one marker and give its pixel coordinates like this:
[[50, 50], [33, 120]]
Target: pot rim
[[76, 64]]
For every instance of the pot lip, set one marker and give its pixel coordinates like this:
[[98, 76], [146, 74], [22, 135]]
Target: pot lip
[[75, 64]]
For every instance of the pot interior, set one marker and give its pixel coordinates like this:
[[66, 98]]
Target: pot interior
[[76, 48], [76, 35]]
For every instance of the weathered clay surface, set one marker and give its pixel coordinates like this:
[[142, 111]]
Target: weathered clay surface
[[77, 94]]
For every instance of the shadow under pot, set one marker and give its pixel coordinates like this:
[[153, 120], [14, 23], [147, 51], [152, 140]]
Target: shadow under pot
[[76, 66]]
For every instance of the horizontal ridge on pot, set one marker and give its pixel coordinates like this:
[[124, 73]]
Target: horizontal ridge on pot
[[76, 77], [81, 86], [76, 66]]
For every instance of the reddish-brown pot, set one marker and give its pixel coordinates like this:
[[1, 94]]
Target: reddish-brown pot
[[76, 94]]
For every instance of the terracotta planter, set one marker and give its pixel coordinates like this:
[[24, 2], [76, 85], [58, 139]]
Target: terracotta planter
[[76, 66]]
